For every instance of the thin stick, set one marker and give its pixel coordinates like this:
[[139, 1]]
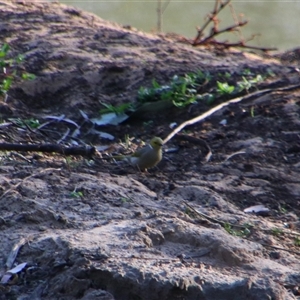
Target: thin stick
[[212, 111], [224, 104]]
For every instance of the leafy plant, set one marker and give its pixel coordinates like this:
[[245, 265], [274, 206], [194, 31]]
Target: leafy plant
[[76, 194], [32, 123], [224, 88], [182, 90], [246, 84], [9, 70]]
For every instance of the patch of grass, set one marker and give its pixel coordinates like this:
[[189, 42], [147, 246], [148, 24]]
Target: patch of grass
[[276, 231], [282, 209], [125, 200], [189, 212], [76, 194], [297, 242], [237, 232]]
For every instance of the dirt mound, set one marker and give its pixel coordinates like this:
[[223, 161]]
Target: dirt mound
[[88, 228]]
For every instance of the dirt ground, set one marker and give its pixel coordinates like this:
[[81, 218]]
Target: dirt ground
[[91, 228]]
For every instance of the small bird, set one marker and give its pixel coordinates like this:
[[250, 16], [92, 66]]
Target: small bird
[[147, 157]]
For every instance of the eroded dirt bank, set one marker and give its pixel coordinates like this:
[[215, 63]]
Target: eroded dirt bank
[[132, 235]]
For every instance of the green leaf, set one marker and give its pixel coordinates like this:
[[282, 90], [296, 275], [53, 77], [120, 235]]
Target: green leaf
[[155, 84], [28, 76], [4, 50], [6, 83], [32, 123], [20, 58], [224, 88], [183, 88]]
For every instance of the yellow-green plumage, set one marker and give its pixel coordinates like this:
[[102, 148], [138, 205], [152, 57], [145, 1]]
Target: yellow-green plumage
[[147, 157]]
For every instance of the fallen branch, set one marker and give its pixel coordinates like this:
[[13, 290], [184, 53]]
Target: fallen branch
[[49, 148], [241, 44]]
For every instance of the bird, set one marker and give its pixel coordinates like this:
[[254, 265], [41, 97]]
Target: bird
[[146, 157]]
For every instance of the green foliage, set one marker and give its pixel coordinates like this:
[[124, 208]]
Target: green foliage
[[189, 212], [246, 84], [297, 242], [148, 123], [184, 90], [4, 50], [282, 209], [276, 231], [9, 70], [32, 123], [241, 233], [120, 109], [224, 88], [125, 200], [76, 194]]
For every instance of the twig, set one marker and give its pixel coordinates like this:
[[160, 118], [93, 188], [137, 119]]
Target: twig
[[210, 18], [64, 136], [212, 111], [222, 223], [233, 154], [14, 252], [242, 44], [159, 16], [278, 248], [224, 104], [165, 6], [26, 179], [216, 32], [197, 141], [21, 156]]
